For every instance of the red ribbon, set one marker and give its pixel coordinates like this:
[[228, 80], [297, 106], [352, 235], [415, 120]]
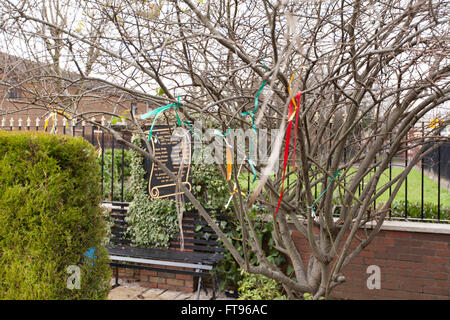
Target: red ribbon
[[286, 144], [297, 97]]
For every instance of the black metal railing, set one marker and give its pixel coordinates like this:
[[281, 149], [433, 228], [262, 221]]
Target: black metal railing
[[435, 207]]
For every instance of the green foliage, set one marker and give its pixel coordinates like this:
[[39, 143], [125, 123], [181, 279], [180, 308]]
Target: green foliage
[[228, 269], [430, 187], [430, 210], [308, 296], [151, 222], [160, 92], [50, 216], [154, 222], [210, 187], [107, 170], [259, 287]]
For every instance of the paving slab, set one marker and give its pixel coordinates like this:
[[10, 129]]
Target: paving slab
[[169, 295], [123, 293], [185, 296], [133, 291], [203, 296], [152, 294]]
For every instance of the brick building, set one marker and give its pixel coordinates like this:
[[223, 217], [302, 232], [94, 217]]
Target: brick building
[[28, 89]]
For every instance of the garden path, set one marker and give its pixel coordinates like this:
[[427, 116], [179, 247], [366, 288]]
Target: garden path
[[133, 291]]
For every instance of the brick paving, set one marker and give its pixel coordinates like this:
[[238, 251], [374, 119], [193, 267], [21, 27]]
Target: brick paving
[[133, 291]]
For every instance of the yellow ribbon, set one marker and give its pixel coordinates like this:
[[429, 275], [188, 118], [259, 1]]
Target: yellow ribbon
[[293, 99], [434, 123], [53, 116], [236, 190]]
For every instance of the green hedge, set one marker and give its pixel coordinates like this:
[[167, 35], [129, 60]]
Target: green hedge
[[430, 210], [50, 217]]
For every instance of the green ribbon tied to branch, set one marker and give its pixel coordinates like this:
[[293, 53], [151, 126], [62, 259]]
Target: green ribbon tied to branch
[[188, 123], [223, 136], [320, 196], [158, 111], [252, 114]]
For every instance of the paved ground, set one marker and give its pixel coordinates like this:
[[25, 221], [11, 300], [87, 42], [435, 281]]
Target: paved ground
[[133, 291]]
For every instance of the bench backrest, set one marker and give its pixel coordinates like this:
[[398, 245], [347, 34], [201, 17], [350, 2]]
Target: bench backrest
[[119, 226], [198, 236]]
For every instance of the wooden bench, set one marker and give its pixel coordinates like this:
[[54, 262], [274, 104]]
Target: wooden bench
[[202, 250]]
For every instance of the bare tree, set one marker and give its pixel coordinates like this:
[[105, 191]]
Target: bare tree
[[367, 71]]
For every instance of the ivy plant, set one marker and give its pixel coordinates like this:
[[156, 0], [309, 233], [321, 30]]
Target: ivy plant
[[151, 222], [228, 269], [210, 187]]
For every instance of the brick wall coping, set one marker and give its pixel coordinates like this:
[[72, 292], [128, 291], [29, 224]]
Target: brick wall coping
[[405, 226]]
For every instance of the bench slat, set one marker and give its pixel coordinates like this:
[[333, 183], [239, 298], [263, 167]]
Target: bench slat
[[161, 262], [199, 248], [200, 272], [197, 241], [164, 254]]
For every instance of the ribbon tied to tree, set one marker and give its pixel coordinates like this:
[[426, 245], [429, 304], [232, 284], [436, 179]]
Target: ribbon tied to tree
[[157, 112], [229, 154], [252, 114], [292, 111], [53, 115]]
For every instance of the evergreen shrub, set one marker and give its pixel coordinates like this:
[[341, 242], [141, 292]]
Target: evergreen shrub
[[50, 218]]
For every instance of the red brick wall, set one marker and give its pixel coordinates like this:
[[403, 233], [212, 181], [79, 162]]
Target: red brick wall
[[414, 265], [158, 279]]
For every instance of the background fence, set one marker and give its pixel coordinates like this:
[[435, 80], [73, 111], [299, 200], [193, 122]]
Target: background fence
[[424, 196]]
